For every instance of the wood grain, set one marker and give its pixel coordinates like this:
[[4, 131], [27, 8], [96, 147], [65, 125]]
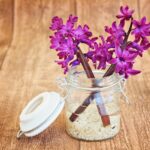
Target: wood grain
[[27, 68], [6, 27]]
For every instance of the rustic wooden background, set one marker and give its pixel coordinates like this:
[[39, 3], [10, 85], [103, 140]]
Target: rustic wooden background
[[27, 68]]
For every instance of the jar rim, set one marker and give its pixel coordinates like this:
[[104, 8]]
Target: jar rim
[[111, 80]]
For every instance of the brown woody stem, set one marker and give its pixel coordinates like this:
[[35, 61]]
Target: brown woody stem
[[101, 108], [125, 41]]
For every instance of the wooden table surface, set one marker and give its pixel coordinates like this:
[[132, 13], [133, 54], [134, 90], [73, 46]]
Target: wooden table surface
[[27, 68]]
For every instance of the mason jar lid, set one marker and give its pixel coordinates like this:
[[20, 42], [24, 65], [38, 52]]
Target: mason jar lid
[[40, 113]]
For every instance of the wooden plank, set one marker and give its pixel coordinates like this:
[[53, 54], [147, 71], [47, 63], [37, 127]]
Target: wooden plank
[[96, 14], [6, 27], [144, 7]]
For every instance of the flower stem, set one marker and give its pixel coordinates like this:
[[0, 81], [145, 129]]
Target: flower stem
[[94, 95], [110, 71], [85, 65], [127, 36]]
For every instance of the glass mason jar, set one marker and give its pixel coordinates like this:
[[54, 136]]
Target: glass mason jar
[[87, 124]]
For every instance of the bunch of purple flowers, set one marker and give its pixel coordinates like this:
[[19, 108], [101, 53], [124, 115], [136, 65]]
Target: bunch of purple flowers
[[115, 49], [66, 40]]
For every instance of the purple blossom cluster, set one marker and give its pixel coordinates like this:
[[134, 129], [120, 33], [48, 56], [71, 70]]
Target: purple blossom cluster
[[116, 49], [66, 40]]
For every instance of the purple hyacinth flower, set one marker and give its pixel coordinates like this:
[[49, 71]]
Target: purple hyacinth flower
[[123, 59], [117, 34], [57, 23], [142, 29], [139, 46], [67, 38], [68, 27], [69, 47], [145, 43], [64, 63], [130, 71], [100, 54], [82, 34], [125, 14], [56, 41], [135, 46], [72, 20]]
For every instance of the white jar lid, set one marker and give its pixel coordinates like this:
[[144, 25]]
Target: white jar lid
[[39, 113]]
